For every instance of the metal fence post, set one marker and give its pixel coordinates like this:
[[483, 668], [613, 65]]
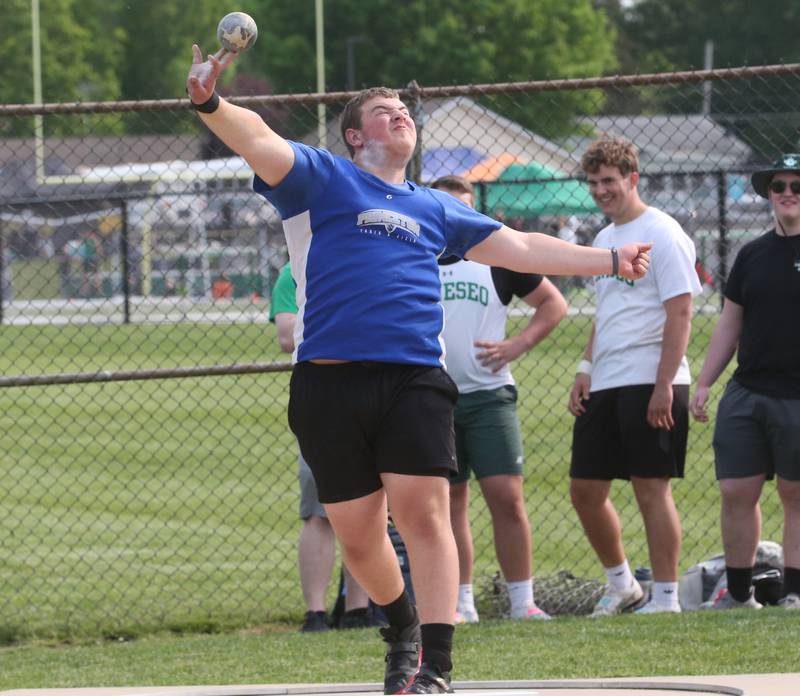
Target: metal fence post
[[414, 168], [482, 197], [722, 242], [2, 270], [123, 250]]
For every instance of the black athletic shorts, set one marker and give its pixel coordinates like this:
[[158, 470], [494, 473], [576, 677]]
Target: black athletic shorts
[[357, 420], [612, 439]]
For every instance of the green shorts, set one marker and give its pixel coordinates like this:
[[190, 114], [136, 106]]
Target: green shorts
[[488, 436]]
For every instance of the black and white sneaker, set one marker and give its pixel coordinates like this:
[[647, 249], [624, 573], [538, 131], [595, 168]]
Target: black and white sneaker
[[315, 622], [429, 680], [403, 656], [359, 618]]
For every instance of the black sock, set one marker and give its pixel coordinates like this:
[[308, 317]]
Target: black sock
[[401, 612], [437, 645], [791, 581], [740, 581]]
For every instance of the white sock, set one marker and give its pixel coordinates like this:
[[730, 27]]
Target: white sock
[[665, 594], [466, 599], [620, 577], [521, 596]]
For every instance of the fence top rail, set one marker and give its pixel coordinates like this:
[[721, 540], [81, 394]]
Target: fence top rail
[[414, 90], [141, 375]]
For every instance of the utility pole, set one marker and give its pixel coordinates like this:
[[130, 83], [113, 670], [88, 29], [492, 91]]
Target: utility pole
[[322, 126], [708, 64]]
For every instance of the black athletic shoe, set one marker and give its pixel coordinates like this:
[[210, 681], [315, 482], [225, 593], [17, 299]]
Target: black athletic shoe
[[315, 622], [402, 656], [359, 618], [428, 680]]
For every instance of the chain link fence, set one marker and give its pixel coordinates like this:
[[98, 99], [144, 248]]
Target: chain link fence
[[149, 477]]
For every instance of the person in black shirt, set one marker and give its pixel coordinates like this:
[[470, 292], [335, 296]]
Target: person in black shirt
[[757, 433]]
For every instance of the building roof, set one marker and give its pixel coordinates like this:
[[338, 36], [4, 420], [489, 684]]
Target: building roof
[[457, 133], [68, 156], [671, 142]]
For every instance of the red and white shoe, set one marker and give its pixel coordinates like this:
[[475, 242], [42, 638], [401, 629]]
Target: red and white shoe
[[531, 611]]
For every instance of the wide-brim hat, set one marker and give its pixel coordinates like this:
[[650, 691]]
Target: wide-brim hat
[[761, 178]]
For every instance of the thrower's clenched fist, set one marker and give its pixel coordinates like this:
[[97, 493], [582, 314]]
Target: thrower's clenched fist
[[634, 260]]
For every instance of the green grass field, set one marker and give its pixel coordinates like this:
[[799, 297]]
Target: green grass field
[[131, 508], [733, 642]]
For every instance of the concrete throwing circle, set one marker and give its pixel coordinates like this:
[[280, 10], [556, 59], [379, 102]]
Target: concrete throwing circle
[[511, 688]]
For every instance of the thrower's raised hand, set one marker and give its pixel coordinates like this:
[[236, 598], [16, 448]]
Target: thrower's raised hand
[[203, 74], [634, 260]]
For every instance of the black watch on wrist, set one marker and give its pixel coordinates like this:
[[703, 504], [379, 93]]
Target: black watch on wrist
[[614, 261]]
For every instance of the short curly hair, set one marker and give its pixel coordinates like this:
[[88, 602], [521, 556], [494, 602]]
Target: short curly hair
[[611, 152], [351, 115]]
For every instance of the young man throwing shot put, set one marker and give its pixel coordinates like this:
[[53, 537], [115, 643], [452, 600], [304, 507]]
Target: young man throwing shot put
[[370, 402]]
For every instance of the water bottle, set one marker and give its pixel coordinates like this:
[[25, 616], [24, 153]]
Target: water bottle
[[644, 577]]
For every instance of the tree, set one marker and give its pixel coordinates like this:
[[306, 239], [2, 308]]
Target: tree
[[79, 58], [671, 35], [106, 49], [442, 42]]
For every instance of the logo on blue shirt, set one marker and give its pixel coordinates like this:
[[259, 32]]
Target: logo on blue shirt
[[389, 220]]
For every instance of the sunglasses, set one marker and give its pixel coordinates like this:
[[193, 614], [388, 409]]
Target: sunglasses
[[780, 186]]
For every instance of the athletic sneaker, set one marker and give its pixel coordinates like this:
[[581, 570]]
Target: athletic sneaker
[[616, 601], [403, 655], [428, 680], [359, 618], [652, 607], [723, 600], [790, 601], [315, 622], [531, 611], [467, 615]]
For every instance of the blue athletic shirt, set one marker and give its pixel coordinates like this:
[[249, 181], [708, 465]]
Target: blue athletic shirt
[[364, 255]]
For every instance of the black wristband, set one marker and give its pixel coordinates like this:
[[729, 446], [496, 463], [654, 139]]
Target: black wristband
[[208, 107], [614, 261]]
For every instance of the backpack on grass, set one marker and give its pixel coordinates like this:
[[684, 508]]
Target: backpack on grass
[[704, 580]]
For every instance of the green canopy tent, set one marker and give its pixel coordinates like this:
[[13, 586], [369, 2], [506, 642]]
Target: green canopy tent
[[531, 198]]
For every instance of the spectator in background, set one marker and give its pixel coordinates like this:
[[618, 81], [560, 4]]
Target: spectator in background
[[757, 433], [89, 255], [316, 550], [8, 275], [631, 391], [488, 437], [64, 260]]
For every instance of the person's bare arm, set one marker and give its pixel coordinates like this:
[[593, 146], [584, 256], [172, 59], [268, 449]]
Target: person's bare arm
[[284, 322], [242, 130], [533, 252], [677, 327], [550, 306], [582, 386], [720, 351]]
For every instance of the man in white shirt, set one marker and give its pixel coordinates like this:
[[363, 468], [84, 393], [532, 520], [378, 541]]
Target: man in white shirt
[[631, 390]]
